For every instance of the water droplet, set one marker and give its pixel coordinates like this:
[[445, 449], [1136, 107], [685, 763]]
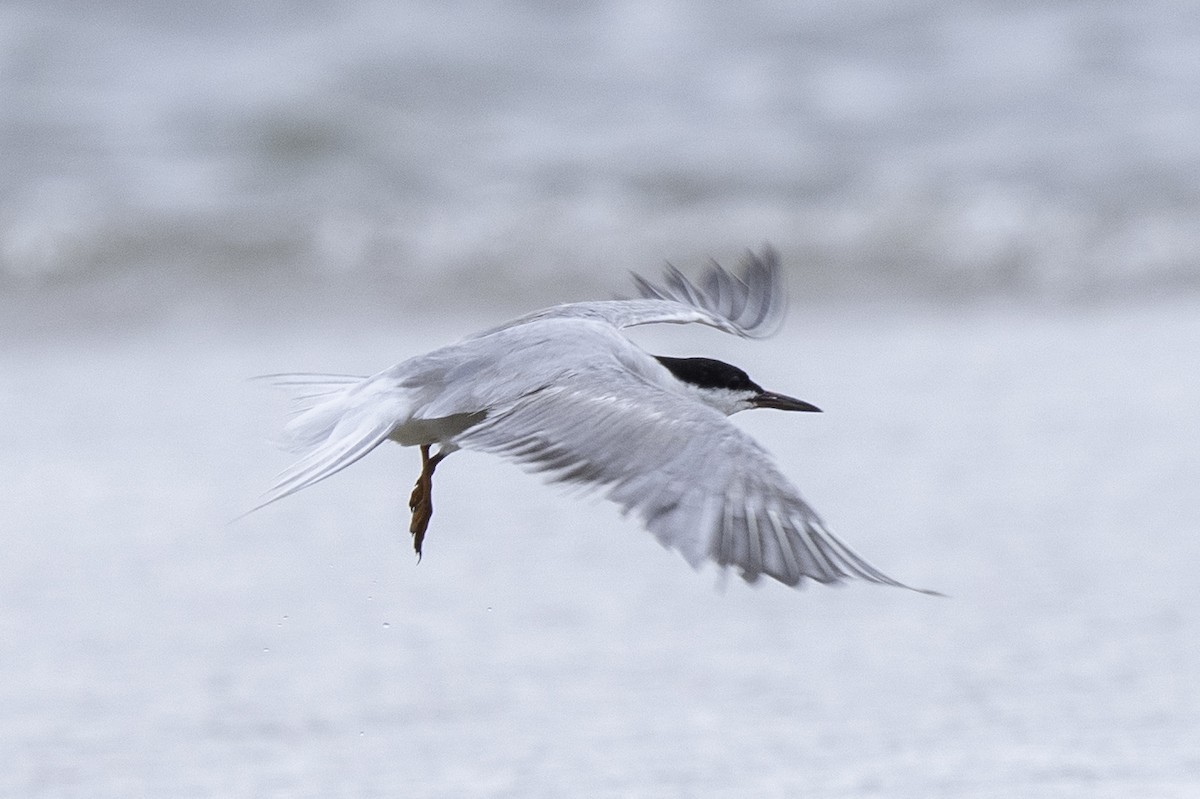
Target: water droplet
[[387, 624]]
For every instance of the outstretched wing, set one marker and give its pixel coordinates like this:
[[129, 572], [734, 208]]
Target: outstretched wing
[[751, 304], [697, 482]]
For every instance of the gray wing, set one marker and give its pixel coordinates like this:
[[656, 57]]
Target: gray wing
[[697, 482], [751, 304]]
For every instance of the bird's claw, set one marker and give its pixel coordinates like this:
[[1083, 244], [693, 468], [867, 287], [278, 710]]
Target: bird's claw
[[421, 505], [420, 502]]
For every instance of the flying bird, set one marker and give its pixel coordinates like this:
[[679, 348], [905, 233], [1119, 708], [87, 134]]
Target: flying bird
[[561, 391]]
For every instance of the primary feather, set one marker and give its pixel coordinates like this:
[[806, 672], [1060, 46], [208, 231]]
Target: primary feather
[[751, 306], [697, 482]]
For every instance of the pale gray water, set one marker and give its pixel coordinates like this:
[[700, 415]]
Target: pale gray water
[[1039, 467], [1038, 148]]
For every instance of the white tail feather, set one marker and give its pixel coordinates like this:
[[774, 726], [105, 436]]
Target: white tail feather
[[335, 425], [309, 389], [319, 402], [345, 445]]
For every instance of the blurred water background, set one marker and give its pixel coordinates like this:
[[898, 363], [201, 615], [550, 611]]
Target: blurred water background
[[929, 148], [988, 213]]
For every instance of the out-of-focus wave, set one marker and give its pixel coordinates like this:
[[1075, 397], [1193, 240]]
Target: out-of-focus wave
[[1045, 149]]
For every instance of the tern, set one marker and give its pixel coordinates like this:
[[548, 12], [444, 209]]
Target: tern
[[561, 391]]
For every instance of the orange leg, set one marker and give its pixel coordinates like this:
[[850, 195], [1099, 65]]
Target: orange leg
[[421, 500]]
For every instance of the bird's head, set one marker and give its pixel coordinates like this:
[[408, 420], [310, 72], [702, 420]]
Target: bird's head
[[728, 388]]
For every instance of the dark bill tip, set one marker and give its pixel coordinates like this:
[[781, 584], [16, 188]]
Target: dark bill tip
[[780, 402]]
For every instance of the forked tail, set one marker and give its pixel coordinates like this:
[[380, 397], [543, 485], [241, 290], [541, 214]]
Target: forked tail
[[335, 422]]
